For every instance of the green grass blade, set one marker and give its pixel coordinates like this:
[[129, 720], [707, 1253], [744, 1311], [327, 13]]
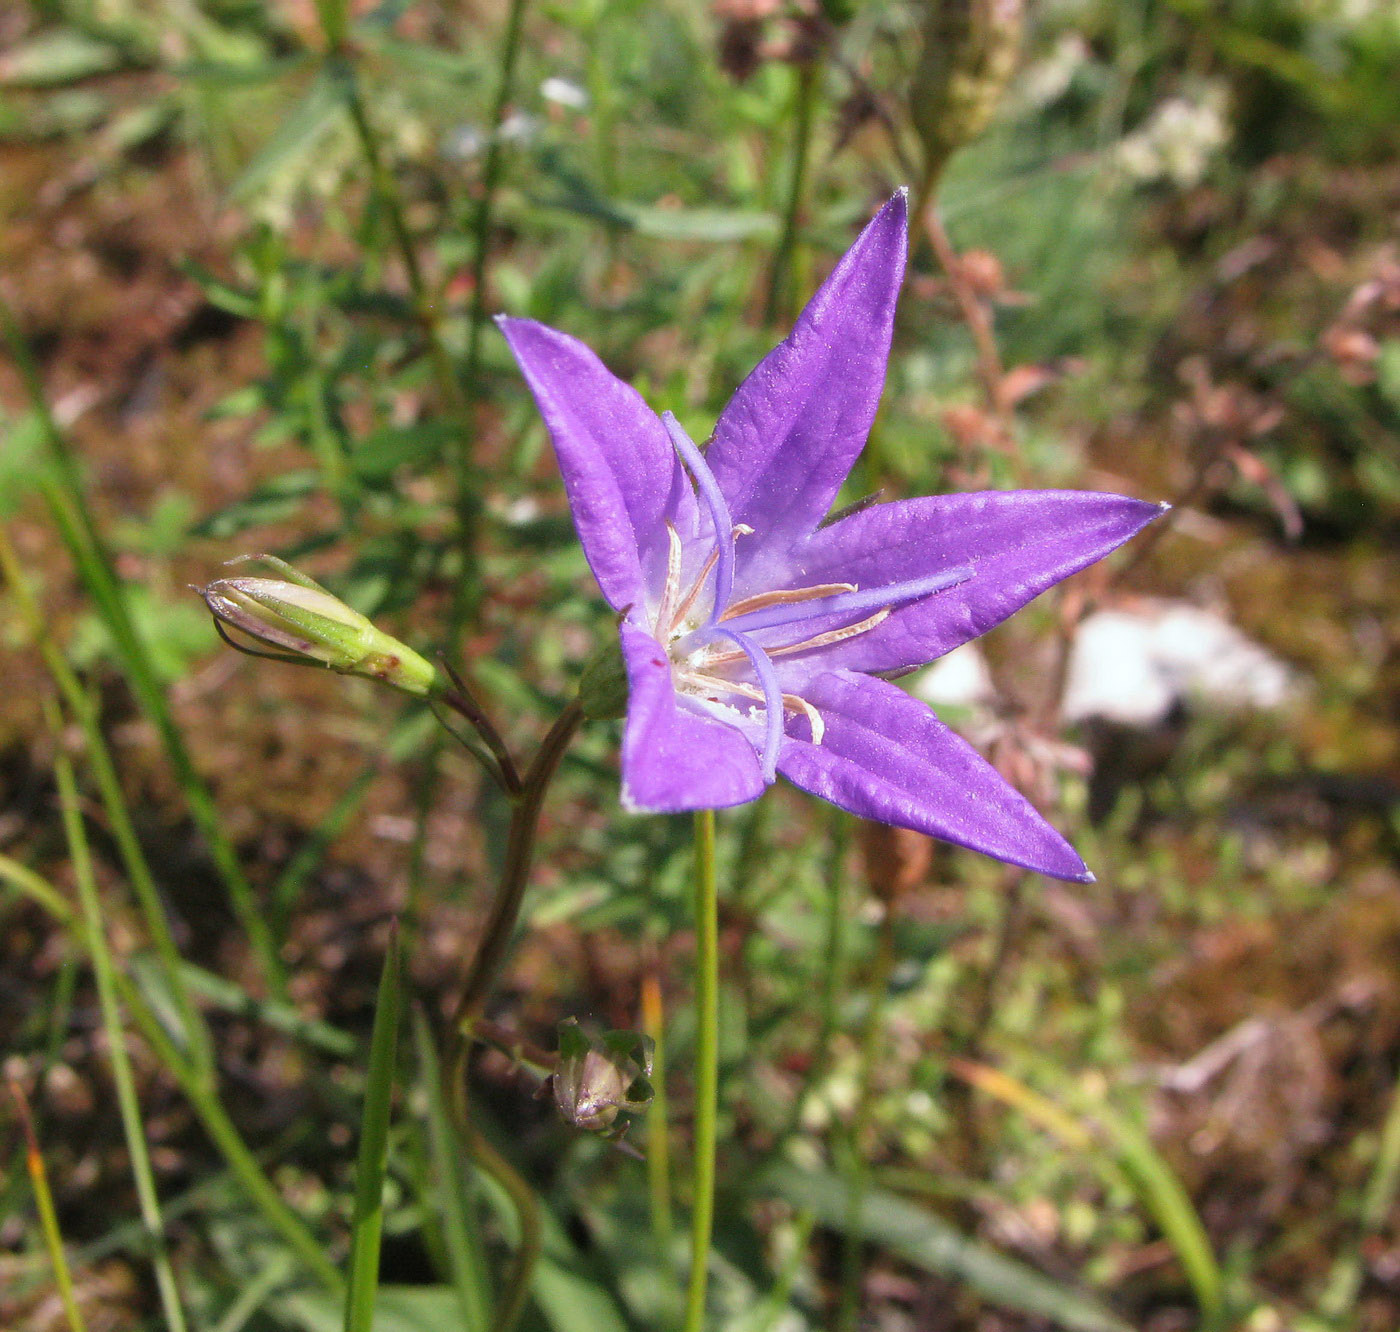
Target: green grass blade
[[127, 1101], [242, 1163], [928, 1242], [35, 887], [1119, 1149], [63, 493], [460, 1228], [1166, 1200], [48, 1215], [1339, 1296], [104, 772], [368, 1224]]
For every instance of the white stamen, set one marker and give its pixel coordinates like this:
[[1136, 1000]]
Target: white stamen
[[808, 644], [683, 609], [765, 599], [665, 613], [791, 702]]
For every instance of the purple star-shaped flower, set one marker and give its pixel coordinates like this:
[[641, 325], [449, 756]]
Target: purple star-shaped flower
[[752, 634]]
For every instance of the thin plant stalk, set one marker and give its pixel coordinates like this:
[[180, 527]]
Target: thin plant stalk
[[128, 1103], [491, 952], [466, 600], [706, 1067], [658, 1150], [779, 281], [367, 1226], [386, 191], [990, 372], [481, 977], [48, 1215], [490, 182], [104, 772], [65, 499]]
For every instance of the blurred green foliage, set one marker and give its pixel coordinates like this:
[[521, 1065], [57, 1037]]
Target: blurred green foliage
[[1185, 215]]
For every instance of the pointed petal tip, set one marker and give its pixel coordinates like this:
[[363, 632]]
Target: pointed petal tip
[[1062, 862], [896, 208]]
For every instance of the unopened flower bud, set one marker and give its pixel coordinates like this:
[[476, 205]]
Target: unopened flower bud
[[595, 1080], [969, 53], [303, 622]]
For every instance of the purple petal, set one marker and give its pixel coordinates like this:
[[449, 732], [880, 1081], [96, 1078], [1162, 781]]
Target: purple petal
[[620, 473], [885, 756], [1018, 543], [675, 759], [788, 437]]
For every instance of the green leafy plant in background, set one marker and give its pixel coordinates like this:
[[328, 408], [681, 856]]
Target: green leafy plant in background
[[672, 221]]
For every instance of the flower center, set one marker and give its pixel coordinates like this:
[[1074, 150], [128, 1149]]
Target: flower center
[[704, 654]]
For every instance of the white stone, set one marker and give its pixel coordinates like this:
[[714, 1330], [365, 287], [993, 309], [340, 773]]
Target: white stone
[[958, 680], [1133, 666]]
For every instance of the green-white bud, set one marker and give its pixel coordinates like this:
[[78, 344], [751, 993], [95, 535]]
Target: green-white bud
[[303, 622], [596, 1079]]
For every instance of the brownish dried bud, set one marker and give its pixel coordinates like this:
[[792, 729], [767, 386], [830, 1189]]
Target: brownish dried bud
[[1354, 351], [982, 272], [969, 53], [896, 860], [972, 428]]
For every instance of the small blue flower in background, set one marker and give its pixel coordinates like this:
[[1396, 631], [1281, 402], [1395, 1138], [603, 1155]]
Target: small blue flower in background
[[751, 632]]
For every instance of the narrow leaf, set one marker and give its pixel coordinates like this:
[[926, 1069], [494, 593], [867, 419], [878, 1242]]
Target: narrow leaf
[[368, 1225], [927, 1241], [295, 140], [461, 1230]]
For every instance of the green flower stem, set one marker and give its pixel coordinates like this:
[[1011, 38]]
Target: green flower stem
[[481, 976], [515, 872], [702, 1214], [63, 493]]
